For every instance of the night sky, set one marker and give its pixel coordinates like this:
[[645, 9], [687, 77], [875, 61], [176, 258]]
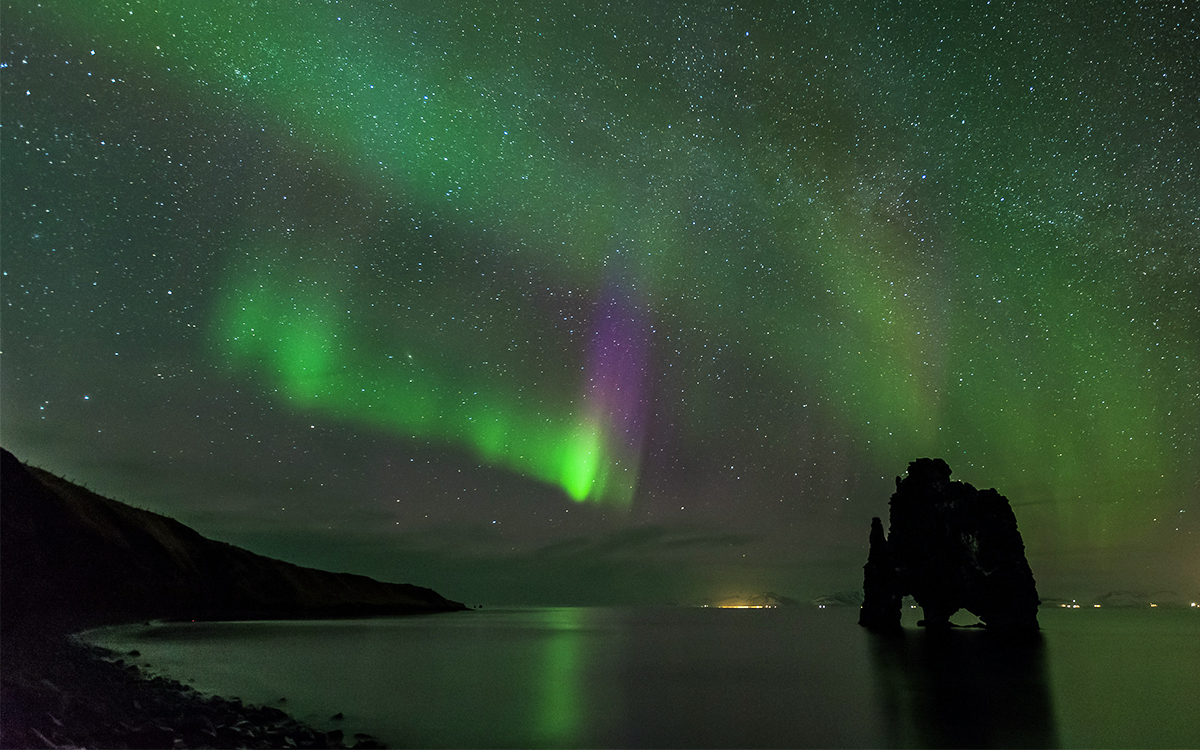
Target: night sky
[[582, 303]]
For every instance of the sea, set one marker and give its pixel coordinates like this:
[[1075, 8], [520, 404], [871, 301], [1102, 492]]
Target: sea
[[700, 677]]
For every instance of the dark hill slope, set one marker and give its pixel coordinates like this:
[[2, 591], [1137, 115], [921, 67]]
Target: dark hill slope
[[70, 559]]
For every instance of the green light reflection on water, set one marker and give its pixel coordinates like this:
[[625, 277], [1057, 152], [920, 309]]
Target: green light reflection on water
[[560, 706]]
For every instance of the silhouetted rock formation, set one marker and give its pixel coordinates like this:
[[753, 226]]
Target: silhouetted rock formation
[[71, 559], [951, 547], [881, 600]]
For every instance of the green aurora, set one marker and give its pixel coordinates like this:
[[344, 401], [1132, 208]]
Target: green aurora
[[617, 248]]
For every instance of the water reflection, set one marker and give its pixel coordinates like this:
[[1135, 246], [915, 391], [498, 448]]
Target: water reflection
[[963, 688], [560, 714]]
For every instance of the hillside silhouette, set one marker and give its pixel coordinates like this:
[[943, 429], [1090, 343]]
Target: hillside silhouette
[[72, 559]]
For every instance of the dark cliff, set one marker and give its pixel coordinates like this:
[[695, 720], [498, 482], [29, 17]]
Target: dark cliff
[[71, 559], [951, 547]]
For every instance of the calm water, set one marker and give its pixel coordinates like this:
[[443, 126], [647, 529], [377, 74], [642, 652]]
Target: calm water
[[679, 677]]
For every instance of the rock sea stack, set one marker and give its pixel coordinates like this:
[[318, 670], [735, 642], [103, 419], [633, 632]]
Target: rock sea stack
[[951, 547]]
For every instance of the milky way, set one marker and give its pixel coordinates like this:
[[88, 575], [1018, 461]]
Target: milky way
[[476, 292]]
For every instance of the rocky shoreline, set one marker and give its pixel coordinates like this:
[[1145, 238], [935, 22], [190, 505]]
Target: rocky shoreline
[[59, 693], [73, 560]]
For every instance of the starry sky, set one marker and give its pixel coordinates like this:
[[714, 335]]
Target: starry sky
[[584, 303]]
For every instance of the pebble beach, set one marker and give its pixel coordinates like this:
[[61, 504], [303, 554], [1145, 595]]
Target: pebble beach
[[58, 693]]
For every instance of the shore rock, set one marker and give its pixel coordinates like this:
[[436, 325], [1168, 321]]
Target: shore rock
[[71, 559], [64, 694]]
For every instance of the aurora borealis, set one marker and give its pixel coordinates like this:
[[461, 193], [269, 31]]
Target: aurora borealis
[[647, 300]]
